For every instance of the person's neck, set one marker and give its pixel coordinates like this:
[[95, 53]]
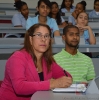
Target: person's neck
[[71, 50], [68, 9], [42, 19], [54, 16]]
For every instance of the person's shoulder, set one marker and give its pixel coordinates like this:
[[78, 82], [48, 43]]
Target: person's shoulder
[[20, 54], [84, 57], [91, 12], [50, 19], [31, 18], [63, 10], [16, 15], [58, 55]]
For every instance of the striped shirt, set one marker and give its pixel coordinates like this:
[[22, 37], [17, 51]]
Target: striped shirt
[[79, 65]]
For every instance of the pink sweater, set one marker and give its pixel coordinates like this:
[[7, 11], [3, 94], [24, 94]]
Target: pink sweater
[[21, 77]]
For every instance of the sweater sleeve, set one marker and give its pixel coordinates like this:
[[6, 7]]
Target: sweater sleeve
[[16, 67]]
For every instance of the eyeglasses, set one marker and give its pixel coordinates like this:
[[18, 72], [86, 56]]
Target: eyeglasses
[[96, 4], [39, 36]]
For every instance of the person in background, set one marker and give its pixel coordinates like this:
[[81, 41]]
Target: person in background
[[33, 68], [85, 29], [80, 7], [67, 6], [77, 64], [19, 19], [95, 13], [43, 8], [56, 15]]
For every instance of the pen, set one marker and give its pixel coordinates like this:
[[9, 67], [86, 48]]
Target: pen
[[65, 73]]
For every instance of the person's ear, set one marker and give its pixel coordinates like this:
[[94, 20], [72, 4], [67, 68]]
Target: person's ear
[[30, 39], [63, 37]]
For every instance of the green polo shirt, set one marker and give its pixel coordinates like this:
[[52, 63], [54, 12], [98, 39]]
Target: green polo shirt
[[79, 65]]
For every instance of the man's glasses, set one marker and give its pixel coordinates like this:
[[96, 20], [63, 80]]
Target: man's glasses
[[40, 36]]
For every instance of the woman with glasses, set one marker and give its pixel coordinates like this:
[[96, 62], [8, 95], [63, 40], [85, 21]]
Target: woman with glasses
[[33, 68], [43, 8]]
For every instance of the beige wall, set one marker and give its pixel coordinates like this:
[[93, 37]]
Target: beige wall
[[33, 3]]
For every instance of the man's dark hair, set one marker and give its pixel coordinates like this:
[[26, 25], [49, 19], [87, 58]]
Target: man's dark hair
[[66, 28]]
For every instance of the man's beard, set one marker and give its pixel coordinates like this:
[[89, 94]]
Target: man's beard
[[74, 46]]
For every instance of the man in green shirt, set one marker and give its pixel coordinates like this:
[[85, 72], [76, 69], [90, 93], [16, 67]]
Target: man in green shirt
[[77, 64]]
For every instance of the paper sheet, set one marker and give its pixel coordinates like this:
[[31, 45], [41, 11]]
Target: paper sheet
[[72, 88]]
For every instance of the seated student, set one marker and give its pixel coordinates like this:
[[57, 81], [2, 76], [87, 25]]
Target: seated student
[[77, 64], [19, 19], [67, 6], [56, 15], [95, 12], [80, 7], [44, 7], [85, 30], [33, 67]]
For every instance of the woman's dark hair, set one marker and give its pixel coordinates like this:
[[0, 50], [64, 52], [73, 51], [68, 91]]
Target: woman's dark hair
[[27, 45], [19, 4], [47, 2], [83, 3], [63, 4], [95, 2], [58, 16]]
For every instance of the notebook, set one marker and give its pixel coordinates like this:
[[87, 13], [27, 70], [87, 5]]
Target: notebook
[[92, 88], [72, 88]]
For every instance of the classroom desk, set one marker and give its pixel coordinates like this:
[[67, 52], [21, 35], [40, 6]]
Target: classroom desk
[[8, 17], [23, 30], [7, 48], [12, 30], [90, 19], [94, 29], [10, 6], [49, 95], [5, 17], [82, 48]]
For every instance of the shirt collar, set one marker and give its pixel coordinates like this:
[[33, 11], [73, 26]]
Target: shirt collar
[[69, 55], [47, 18]]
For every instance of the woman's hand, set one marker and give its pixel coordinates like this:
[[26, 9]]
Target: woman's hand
[[62, 82], [92, 39], [83, 28]]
